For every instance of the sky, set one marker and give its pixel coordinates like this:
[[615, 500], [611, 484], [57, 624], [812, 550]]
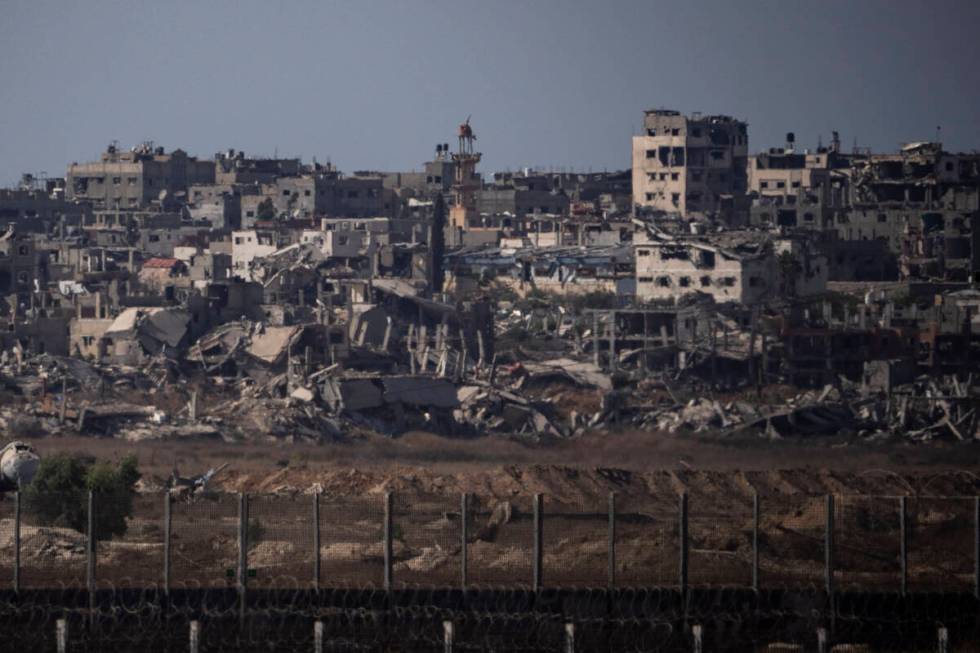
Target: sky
[[375, 84]]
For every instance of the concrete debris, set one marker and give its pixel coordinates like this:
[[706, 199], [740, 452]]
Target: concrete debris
[[273, 300]]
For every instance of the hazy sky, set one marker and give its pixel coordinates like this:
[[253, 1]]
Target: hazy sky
[[375, 84]]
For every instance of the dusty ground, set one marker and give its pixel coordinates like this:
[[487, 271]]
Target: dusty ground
[[631, 451], [646, 471]]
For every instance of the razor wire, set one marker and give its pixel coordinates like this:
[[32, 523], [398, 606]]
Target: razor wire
[[256, 573]]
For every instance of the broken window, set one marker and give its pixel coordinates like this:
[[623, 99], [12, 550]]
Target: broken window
[[651, 154], [651, 132], [673, 253], [649, 197], [306, 193], [764, 184], [706, 259], [717, 155], [674, 176], [719, 136], [645, 279], [675, 132], [728, 281], [643, 252], [685, 282], [116, 181], [663, 282], [780, 184], [705, 281], [675, 198], [932, 222]]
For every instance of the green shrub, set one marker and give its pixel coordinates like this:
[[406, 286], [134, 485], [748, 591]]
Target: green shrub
[[58, 495]]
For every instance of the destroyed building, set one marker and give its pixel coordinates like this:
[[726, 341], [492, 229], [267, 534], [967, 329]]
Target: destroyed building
[[740, 267], [253, 297], [690, 164]]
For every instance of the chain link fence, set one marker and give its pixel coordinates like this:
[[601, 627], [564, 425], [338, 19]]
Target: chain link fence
[[827, 543]]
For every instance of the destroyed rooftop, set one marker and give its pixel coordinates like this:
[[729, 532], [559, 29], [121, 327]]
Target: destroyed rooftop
[[160, 295]]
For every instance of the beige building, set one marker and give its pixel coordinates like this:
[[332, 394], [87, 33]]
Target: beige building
[[689, 164], [133, 179], [785, 172], [741, 267], [251, 244]]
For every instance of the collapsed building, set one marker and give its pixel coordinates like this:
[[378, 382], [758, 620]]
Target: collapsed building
[[740, 267], [154, 294]]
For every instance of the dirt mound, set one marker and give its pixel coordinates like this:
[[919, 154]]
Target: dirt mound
[[574, 486]]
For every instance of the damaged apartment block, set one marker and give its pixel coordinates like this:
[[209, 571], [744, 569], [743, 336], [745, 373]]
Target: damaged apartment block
[[154, 294]]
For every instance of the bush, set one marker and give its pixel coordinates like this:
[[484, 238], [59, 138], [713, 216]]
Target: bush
[[58, 495]]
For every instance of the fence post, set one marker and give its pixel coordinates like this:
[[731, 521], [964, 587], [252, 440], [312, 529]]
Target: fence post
[[242, 552], [17, 541], [682, 576], [448, 635], [316, 542], [538, 544], [976, 547], [697, 631], [388, 535], [569, 637], [943, 639], [195, 636], [612, 540], [904, 535], [318, 636], [821, 640], [90, 557], [167, 532], [464, 509], [61, 635], [829, 546], [755, 541]]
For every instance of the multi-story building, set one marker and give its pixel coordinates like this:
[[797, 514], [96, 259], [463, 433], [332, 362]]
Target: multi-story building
[[690, 164], [36, 211], [316, 195], [786, 172], [23, 268], [741, 267], [134, 179]]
